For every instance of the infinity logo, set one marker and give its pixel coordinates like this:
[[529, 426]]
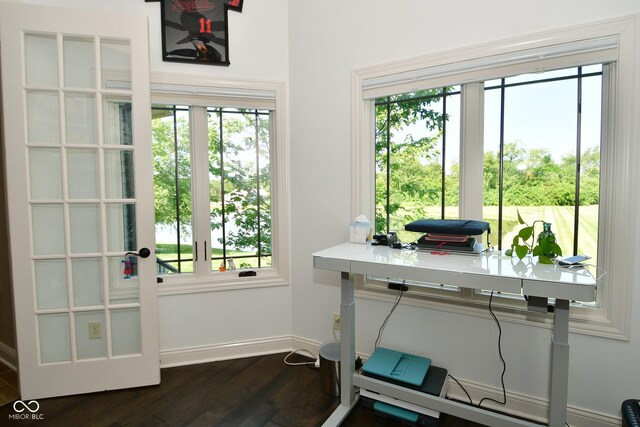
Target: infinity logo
[[18, 403]]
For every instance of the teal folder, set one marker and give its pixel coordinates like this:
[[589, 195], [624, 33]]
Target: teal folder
[[403, 414], [395, 365]]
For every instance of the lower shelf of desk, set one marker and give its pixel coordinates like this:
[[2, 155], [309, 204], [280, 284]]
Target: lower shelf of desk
[[439, 404]]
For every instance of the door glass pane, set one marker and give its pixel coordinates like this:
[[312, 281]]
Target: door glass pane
[[54, 336], [79, 62], [87, 281], [80, 119], [51, 283], [45, 173], [41, 56], [90, 335], [119, 177], [82, 172], [123, 280], [116, 64], [121, 227], [125, 331], [43, 118], [48, 229], [84, 226], [116, 115]]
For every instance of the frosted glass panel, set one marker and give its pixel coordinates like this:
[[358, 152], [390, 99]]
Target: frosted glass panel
[[84, 225], [79, 62], [124, 285], [43, 118], [125, 331], [87, 281], [55, 341], [80, 119], [121, 227], [119, 182], [41, 56], [118, 128], [116, 64], [90, 335], [45, 173], [51, 283], [82, 170], [48, 229]]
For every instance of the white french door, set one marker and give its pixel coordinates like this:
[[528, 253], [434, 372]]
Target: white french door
[[79, 174]]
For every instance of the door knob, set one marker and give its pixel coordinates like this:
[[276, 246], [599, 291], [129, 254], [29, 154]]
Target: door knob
[[142, 253]]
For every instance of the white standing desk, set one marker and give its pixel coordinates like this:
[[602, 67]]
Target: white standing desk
[[490, 271]]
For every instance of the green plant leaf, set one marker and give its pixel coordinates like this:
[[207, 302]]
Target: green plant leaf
[[537, 251], [544, 259], [525, 233], [520, 220], [508, 252], [521, 251], [544, 245], [516, 240], [556, 249]]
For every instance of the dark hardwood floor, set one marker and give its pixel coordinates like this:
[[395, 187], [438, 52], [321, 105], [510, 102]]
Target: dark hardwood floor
[[254, 391]]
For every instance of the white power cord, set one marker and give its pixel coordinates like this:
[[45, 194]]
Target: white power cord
[[316, 362]]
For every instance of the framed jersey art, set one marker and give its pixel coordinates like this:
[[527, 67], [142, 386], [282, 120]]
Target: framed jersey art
[[196, 31]]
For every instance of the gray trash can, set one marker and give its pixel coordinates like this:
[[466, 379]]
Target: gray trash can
[[330, 368]]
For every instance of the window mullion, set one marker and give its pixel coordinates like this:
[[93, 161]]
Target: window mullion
[[200, 183], [471, 151]]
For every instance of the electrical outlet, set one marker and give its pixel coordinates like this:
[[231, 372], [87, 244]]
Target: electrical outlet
[[336, 321], [95, 330]]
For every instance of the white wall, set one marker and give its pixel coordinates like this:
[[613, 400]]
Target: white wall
[[258, 46], [328, 40], [314, 46]]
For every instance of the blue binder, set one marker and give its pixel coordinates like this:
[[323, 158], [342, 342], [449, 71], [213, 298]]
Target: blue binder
[[398, 366], [395, 411]]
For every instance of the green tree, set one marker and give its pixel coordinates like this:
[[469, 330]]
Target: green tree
[[172, 169], [408, 163], [243, 182], [240, 192]]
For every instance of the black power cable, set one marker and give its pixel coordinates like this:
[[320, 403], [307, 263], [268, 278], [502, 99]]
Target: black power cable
[[504, 364], [402, 288]]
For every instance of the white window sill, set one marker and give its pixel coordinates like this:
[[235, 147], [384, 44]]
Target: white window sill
[[226, 281]]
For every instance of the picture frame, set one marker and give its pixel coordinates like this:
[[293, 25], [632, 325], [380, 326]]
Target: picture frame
[[196, 31]]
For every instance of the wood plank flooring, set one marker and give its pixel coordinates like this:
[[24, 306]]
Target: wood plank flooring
[[254, 391], [8, 385]]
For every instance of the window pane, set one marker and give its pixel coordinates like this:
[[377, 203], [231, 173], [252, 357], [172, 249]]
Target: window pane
[[534, 132], [417, 158], [240, 192], [172, 189]]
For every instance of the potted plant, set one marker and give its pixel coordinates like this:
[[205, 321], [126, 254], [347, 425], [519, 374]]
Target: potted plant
[[544, 246]]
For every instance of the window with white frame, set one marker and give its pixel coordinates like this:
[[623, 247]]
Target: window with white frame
[[217, 190], [535, 131]]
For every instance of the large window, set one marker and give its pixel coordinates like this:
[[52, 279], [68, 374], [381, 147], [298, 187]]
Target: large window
[[541, 144], [538, 131], [239, 188], [216, 190]]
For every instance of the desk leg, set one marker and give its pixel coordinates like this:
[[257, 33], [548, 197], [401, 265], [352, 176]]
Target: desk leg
[[559, 365], [347, 352], [347, 341]]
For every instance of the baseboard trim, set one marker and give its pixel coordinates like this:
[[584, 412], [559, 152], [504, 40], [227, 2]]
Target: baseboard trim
[[8, 356], [235, 350], [522, 405], [530, 407]]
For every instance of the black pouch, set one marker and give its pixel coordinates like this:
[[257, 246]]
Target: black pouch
[[451, 227]]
